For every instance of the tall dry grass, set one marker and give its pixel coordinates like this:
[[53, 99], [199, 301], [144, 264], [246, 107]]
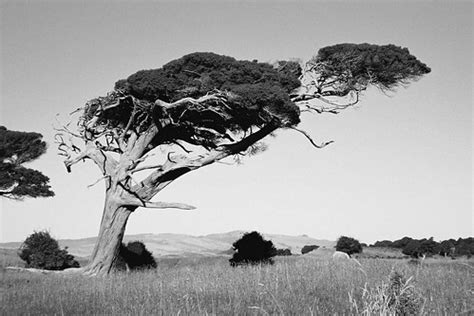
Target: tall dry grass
[[293, 286]]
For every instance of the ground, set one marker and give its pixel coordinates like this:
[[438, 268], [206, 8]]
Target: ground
[[297, 285]]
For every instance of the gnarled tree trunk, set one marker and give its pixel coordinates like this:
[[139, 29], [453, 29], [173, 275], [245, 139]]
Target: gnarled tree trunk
[[112, 229]]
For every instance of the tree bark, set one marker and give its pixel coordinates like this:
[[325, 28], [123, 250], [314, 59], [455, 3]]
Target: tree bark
[[112, 229]]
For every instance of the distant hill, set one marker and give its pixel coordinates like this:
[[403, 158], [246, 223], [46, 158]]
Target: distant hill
[[180, 245]]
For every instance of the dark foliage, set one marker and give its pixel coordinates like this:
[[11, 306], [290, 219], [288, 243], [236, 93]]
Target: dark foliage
[[355, 66], [447, 247], [413, 249], [252, 249], [198, 73], [17, 181], [42, 251], [419, 247], [308, 248], [348, 245], [401, 243], [464, 247], [136, 256], [383, 243], [283, 252], [256, 93]]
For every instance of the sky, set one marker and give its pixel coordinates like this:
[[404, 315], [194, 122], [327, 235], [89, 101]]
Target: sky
[[401, 164]]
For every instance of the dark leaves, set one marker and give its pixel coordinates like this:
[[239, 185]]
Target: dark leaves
[[355, 66], [17, 181]]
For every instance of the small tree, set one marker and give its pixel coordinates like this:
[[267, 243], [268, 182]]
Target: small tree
[[252, 249], [348, 245], [42, 251], [136, 256], [16, 181], [308, 248]]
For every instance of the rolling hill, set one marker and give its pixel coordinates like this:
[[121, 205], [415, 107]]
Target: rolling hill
[[180, 245]]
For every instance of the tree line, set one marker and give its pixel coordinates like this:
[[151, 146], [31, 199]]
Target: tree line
[[429, 247]]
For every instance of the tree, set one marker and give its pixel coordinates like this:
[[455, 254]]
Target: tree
[[16, 181], [348, 245], [136, 256], [252, 248], [308, 248], [204, 107], [423, 247], [42, 251], [413, 249], [447, 247], [401, 243], [464, 247]]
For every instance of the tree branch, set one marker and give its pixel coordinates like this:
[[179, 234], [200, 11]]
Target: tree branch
[[166, 205], [105, 162], [322, 145], [178, 166]]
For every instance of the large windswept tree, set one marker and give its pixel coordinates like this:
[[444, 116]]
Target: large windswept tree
[[17, 181], [205, 107]]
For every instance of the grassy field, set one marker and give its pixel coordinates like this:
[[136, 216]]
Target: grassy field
[[293, 286]]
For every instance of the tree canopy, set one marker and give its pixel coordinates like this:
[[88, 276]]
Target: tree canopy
[[348, 245], [17, 181]]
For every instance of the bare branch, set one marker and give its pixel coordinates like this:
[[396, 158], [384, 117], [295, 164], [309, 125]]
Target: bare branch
[[166, 205], [138, 169], [177, 166], [304, 100], [105, 162], [322, 145], [98, 180]]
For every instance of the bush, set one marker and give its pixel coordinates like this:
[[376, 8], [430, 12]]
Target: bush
[[348, 245], [283, 252], [308, 248], [252, 249], [41, 251], [136, 257]]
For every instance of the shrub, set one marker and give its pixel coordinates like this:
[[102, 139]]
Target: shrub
[[283, 252], [135, 256], [308, 248], [348, 245], [42, 251], [398, 296], [252, 249]]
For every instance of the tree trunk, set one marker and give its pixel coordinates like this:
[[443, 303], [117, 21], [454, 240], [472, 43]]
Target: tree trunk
[[107, 247]]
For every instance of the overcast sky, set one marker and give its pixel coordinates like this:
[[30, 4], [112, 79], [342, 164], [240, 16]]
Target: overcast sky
[[401, 164]]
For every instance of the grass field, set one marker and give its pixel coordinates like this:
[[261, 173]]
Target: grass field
[[293, 286]]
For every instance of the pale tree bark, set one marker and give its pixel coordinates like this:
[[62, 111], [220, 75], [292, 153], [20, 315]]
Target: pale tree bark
[[109, 240]]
